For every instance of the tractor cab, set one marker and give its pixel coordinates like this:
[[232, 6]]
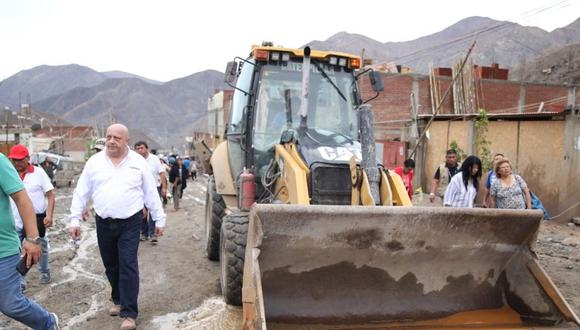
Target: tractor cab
[[269, 104]]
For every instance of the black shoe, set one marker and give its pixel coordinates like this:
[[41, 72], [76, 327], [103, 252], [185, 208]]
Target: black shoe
[[154, 240]]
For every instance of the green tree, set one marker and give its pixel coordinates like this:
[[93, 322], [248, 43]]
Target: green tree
[[482, 144]]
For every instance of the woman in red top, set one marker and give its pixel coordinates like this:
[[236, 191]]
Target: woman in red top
[[406, 173]]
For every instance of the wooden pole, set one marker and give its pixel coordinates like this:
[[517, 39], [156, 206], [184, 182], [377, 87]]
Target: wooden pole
[[422, 137]]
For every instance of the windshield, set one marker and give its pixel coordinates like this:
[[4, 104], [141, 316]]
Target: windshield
[[330, 104]]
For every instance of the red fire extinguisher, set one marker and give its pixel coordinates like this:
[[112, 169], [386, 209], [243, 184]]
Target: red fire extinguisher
[[247, 190]]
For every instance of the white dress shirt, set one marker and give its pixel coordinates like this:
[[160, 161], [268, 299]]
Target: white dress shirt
[[155, 166], [37, 184], [117, 192]]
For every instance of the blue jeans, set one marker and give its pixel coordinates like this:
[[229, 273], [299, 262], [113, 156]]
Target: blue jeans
[[43, 263], [148, 226], [118, 244], [13, 303]]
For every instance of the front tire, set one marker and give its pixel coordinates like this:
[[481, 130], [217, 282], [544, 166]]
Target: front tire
[[232, 253], [215, 210]]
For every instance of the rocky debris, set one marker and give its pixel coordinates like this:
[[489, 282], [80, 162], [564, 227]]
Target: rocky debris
[[572, 241]]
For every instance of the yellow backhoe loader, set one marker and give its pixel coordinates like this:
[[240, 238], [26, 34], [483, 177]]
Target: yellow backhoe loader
[[312, 232]]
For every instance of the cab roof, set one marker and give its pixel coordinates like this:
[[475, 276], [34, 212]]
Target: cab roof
[[300, 52]]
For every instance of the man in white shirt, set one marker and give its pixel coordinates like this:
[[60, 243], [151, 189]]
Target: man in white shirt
[[148, 225], [40, 190], [120, 184]]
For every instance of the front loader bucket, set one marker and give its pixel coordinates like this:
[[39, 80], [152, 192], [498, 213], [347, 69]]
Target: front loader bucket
[[376, 267]]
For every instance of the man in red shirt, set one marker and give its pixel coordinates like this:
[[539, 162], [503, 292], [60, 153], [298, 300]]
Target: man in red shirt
[[406, 173]]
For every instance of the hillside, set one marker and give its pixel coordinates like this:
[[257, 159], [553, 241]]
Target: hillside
[[46, 80], [556, 66], [503, 42], [164, 112]]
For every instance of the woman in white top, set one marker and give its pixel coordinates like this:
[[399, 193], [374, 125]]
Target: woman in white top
[[462, 188]]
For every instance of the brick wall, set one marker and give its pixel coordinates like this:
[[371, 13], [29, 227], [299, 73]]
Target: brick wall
[[554, 97], [394, 102], [495, 96], [499, 96]]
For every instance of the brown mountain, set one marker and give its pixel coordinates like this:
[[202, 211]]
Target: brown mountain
[[556, 66], [164, 112], [502, 42]]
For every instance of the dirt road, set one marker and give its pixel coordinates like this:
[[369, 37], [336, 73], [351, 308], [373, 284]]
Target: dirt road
[[180, 287]]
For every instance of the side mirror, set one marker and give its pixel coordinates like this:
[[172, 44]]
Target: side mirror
[[231, 74], [376, 81]]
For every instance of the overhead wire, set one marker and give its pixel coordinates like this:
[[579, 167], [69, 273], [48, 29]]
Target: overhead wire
[[469, 36]]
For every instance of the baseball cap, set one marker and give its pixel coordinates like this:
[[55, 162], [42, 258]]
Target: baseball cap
[[100, 144], [18, 152]]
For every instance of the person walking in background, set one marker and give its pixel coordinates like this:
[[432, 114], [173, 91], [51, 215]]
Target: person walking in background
[[121, 185], [99, 145], [193, 169], [12, 302], [443, 175], [175, 181], [48, 167], [166, 170], [462, 189], [186, 163], [491, 177], [509, 191], [183, 175], [41, 193], [158, 172], [406, 173]]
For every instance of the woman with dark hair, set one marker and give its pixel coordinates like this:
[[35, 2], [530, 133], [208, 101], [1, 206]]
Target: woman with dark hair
[[462, 189]]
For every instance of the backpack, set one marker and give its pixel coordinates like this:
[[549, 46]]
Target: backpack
[[536, 203]]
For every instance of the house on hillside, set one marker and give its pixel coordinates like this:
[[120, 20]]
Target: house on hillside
[[536, 125], [73, 141]]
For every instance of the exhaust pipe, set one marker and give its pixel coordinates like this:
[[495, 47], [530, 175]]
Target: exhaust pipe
[[369, 155], [305, 88]]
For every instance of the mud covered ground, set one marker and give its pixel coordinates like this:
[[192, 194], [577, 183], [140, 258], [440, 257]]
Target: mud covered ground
[[180, 287]]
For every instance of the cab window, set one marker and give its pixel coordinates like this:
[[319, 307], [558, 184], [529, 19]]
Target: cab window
[[240, 99]]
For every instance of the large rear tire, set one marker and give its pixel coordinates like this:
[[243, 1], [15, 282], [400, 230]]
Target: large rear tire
[[215, 210], [232, 253]]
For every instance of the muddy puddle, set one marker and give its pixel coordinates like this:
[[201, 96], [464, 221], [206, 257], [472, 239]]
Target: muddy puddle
[[212, 314]]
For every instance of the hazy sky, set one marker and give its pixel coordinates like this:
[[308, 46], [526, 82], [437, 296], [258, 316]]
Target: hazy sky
[[169, 39]]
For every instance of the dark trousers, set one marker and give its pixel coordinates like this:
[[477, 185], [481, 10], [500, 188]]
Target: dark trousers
[[39, 223], [118, 244], [148, 226]]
